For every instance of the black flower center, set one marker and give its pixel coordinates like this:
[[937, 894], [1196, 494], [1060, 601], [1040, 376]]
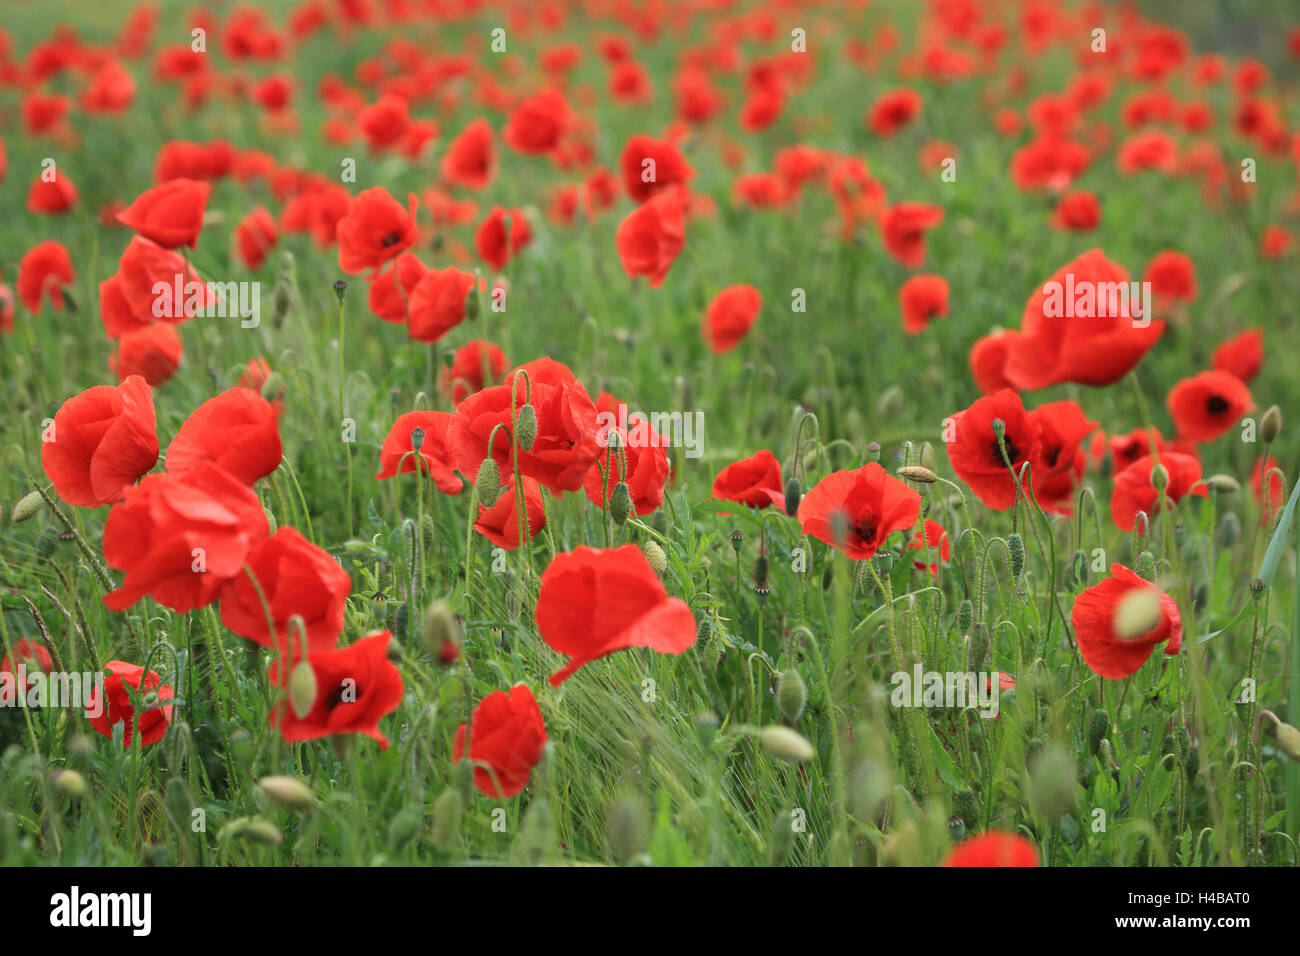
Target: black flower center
[[1216, 405], [865, 527], [392, 239], [1012, 451]]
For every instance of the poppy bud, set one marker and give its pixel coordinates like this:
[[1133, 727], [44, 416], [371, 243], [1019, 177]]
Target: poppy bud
[[1192, 762], [1098, 728], [71, 784], [179, 804], [288, 792], [791, 695], [471, 304], [428, 533], [793, 495], [404, 826], [1016, 548], [786, 744], [1079, 568], [1145, 566], [417, 439], [659, 523], [706, 726], [966, 807], [488, 483], [1270, 425], [781, 845], [918, 474], [965, 614], [1224, 484], [1052, 780], [1229, 529], [1288, 740], [737, 539], [447, 810], [340, 289], [629, 828], [440, 628], [978, 647], [760, 569], [1138, 612], [27, 506], [526, 426], [873, 451], [1159, 477], [620, 503], [302, 689], [655, 555], [536, 833], [273, 387], [281, 302]]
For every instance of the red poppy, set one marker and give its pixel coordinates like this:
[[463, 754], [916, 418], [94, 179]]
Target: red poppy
[[294, 577], [500, 523], [491, 237], [1242, 355], [1276, 488], [647, 465], [564, 448], [170, 214], [993, 848], [892, 111], [375, 230], [476, 364], [1150, 149], [1077, 211], [1061, 459], [921, 298], [384, 122], [1172, 276], [537, 124], [31, 657], [151, 724], [153, 353], [255, 236], [155, 284], [389, 300], [237, 430], [594, 602], [1275, 243], [317, 210], [988, 359], [111, 90], [1205, 406], [903, 227], [180, 537], [255, 374], [935, 538], [355, 687], [1135, 492], [470, 160], [650, 166], [52, 197], [429, 430], [6, 309], [100, 443], [869, 503], [730, 316], [629, 82], [437, 302], [977, 456], [652, 236], [507, 733], [754, 482], [1048, 163], [1106, 652], [45, 268]]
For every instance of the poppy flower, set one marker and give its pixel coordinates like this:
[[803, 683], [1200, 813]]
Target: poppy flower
[[180, 537], [1061, 458], [903, 227], [565, 445], [437, 303], [1172, 276], [1148, 150], [1135, 492], [936, 539], [754, 482], [988, 359], [170, 214], [921, 298], [151, 286], [255, 374], [730, 316], [647, 468], [869, 503], [29, 655], [652, 236], [255, 236], [116, 707], [6, 309], [1051, 162], [398, 455], [500, 523], [317, 210], [45, 268], [295, 577], [111, 90], [375, 230], [475, 365], [650, 166], [507, 733], [1079, 326], [101, 442], [490, 240], [356, 686], [1077, 211], [237, 430], [977, 456], [892, 111], [470, 160], [594, 602], [536, 125], [389, 294], [153, 353], [1107, 653], [1276, 488], [52, 197], [1275, 243], [1205, 406], [384, 122], [1242, 355], [993, 848]]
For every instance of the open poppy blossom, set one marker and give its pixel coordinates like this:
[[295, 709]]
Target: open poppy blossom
[[856, 511], [1106, 652], [652, 236], [1134, 490], [753, 481], [438, 301], [537, 124], [375, 230], [31, 656], [935, 538], [994, 848], [389, 295], [978, 457], [100, 443], [501, 235], [1077, 211], [1242, 355], [170, 214], [237, 430], [922, 298], [1205, 406], [903, 227], [1061, 458], [500, 523], [892, 111], [650, 166], [146, 727], [988, 359], [594, 602], [646, 473], [1172, 275], [52, 197], [730, 316], [508, 734], [475, 365], [154, 353], [44, 270], [470, 160], [1276, 488], [255, 236], [400, 455]]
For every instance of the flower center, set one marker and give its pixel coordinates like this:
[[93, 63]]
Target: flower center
[[1012, 451], [1216, 405]]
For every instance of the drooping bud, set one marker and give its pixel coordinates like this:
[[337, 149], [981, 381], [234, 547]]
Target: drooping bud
[[71, 784], [918, 474], [526, 426], [1270, 425], [1098, 728], [288, 792], [1224, 484], [488, 483], [655, 555], [791, 695], [1145, 566], [302, 689], [781, 844], [440, 632], [1159, 477], [1229, 529], [620, 503], [27, 506], [786, 744], [428, 532], [793, 495], [1016, 548]]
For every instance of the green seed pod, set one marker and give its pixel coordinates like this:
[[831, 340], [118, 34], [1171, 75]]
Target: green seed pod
[[1098, 728], [447, 810], [1270, 425], [1168, 748], [26, 507], [1145, 566], [655, 555], [1016, 548], [404, 827], [620, 503], [793, 495], [884, 562], [965, 614], [340, 290], [488, 483], [629, 828], [526, 426], [966, 807], [791, 695], [781, 844], [737, 538], [760, 569], [1229, 529]]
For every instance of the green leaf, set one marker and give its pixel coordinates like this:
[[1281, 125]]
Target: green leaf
[[1274, 553], [669, 846]]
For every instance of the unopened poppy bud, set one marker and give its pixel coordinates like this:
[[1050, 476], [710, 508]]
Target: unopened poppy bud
[[1098, 728], [1159, 477], [793, 495], [428, 532], [1016, 548], [918, 474], [440, 627], [403, 828], [71, 784], [488, 483], [706, 726], [620, 503], [273, 387], [659, 523], [1224, 484], [1192, 761], [873, 451], [417, 439], [281, 302], [447, 811], [27, 506], [760, 569], [340, 289], [1288, 740], [471, 304], [781, 845], [965, 614], [1145, 566], [737, 539], [1229, 529], [978, 647], [629, 828], [526, 426], [1079, 568], [1138, 612], [1052, 780], [655, 555], [302, 689], [288, 792], [253, 829], [956, 829], [1270, 425], [966, 807], [791, 695], [786, 744]]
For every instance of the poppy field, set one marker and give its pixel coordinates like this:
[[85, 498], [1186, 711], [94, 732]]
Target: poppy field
[[692, 432]]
